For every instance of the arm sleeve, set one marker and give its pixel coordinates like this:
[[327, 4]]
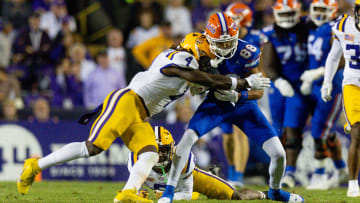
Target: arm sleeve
[[332, 61], [185, 189]]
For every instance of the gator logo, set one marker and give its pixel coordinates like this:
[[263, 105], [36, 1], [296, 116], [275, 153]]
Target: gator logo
[[211, 28]]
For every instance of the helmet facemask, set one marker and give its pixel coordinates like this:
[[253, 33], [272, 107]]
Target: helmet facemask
[[225, 47], [166, 153], [321, 13], [287, 18]]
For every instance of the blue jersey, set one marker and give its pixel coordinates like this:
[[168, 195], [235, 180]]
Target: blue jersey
[[253, 37], [319, 45], [245, 58], [291, 53]]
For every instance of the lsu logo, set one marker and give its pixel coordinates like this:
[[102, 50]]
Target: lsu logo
[[211, 28]]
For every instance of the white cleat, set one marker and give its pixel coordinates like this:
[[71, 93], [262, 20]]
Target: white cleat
[[296, 198], [164, 200], [288, 182], [353, 192], [319, 182]]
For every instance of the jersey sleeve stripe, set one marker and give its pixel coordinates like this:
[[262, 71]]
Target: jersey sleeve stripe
[[341, 25], [171, 55]]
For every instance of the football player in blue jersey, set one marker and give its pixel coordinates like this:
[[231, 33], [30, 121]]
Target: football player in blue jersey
[[284, 60], [238, 58], [324, 114]]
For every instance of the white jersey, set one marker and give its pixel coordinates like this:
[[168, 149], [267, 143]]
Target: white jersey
[[155, 88], [349, 37], [156, 181]]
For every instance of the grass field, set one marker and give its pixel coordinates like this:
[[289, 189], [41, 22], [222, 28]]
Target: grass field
[[73, 191]]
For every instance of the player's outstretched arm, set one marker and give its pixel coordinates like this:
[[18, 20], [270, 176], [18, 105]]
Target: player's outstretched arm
[[216, 81], [270, 61]]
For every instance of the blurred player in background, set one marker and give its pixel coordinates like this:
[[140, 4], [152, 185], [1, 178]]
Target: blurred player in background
[[124, 112], [284, 60], [238, 58], [193, 181], [346, 42], [324, 114]]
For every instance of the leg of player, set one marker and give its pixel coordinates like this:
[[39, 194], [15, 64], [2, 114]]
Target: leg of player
[[353, 161], [180, 158], [334, 146], [228, 146], [67, 153], [293, 147], [147, 158], [241, 155]]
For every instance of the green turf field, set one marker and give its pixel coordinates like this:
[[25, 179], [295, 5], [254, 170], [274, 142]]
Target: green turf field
[[73, 191]]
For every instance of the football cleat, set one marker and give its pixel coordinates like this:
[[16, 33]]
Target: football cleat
[[129, 196], [284, 196], [288, 181], [27, 176], [354, 192], [319, 182], [164, 200]]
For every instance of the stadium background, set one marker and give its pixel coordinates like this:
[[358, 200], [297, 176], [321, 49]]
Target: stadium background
[[46, 84]]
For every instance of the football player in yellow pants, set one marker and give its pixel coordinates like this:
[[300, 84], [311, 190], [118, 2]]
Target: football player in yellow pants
[[124, 112], [193, 181], [346, 42]]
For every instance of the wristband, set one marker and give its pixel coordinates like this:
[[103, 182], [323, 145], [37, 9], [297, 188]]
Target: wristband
[[233, 83], [244, 95]]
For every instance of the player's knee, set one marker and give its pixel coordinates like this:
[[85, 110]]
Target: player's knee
[[293, 142], [92, 149], [150, 157]]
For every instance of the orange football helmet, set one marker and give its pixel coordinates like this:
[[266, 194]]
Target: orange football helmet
[[240, 13], [322, 11], [287, 13], [222, 34]]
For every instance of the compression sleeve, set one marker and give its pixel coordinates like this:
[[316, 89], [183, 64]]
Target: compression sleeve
[[332, 61], [185, 189]]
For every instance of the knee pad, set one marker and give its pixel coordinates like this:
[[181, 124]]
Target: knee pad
[[293, 143]]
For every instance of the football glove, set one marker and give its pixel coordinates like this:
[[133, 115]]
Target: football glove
[[311, 75], [196, 89], [326, 90], [284, 87], [306, 88], [227, 95], [257, 81], [215, 62]]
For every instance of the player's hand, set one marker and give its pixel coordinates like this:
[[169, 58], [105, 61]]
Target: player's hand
[[215, 62], [143, 194], [257, 81], [158, 193], [306, 88], [326, 90], [196, 89], [227, 95], [284, 87], [311, 75]]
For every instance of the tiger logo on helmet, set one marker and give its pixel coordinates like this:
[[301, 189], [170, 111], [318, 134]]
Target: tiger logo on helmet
[[240, 13], [323, 11], [166, 145], [287, 13], [222, 34], [196, 44]]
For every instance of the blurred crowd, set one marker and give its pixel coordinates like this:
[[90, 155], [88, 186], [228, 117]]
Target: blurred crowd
[[46, 63]]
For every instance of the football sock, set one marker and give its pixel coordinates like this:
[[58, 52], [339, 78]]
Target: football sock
[[66, 153], [321, 167], [238, 176], [183, 150], [339, 164], [231, 169], [276, 152], [279, 195], [290, 170], [141, 170], [353, 185]]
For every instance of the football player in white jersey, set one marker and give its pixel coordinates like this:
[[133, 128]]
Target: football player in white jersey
[[347, 43], [193, 181], [124, 112]]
